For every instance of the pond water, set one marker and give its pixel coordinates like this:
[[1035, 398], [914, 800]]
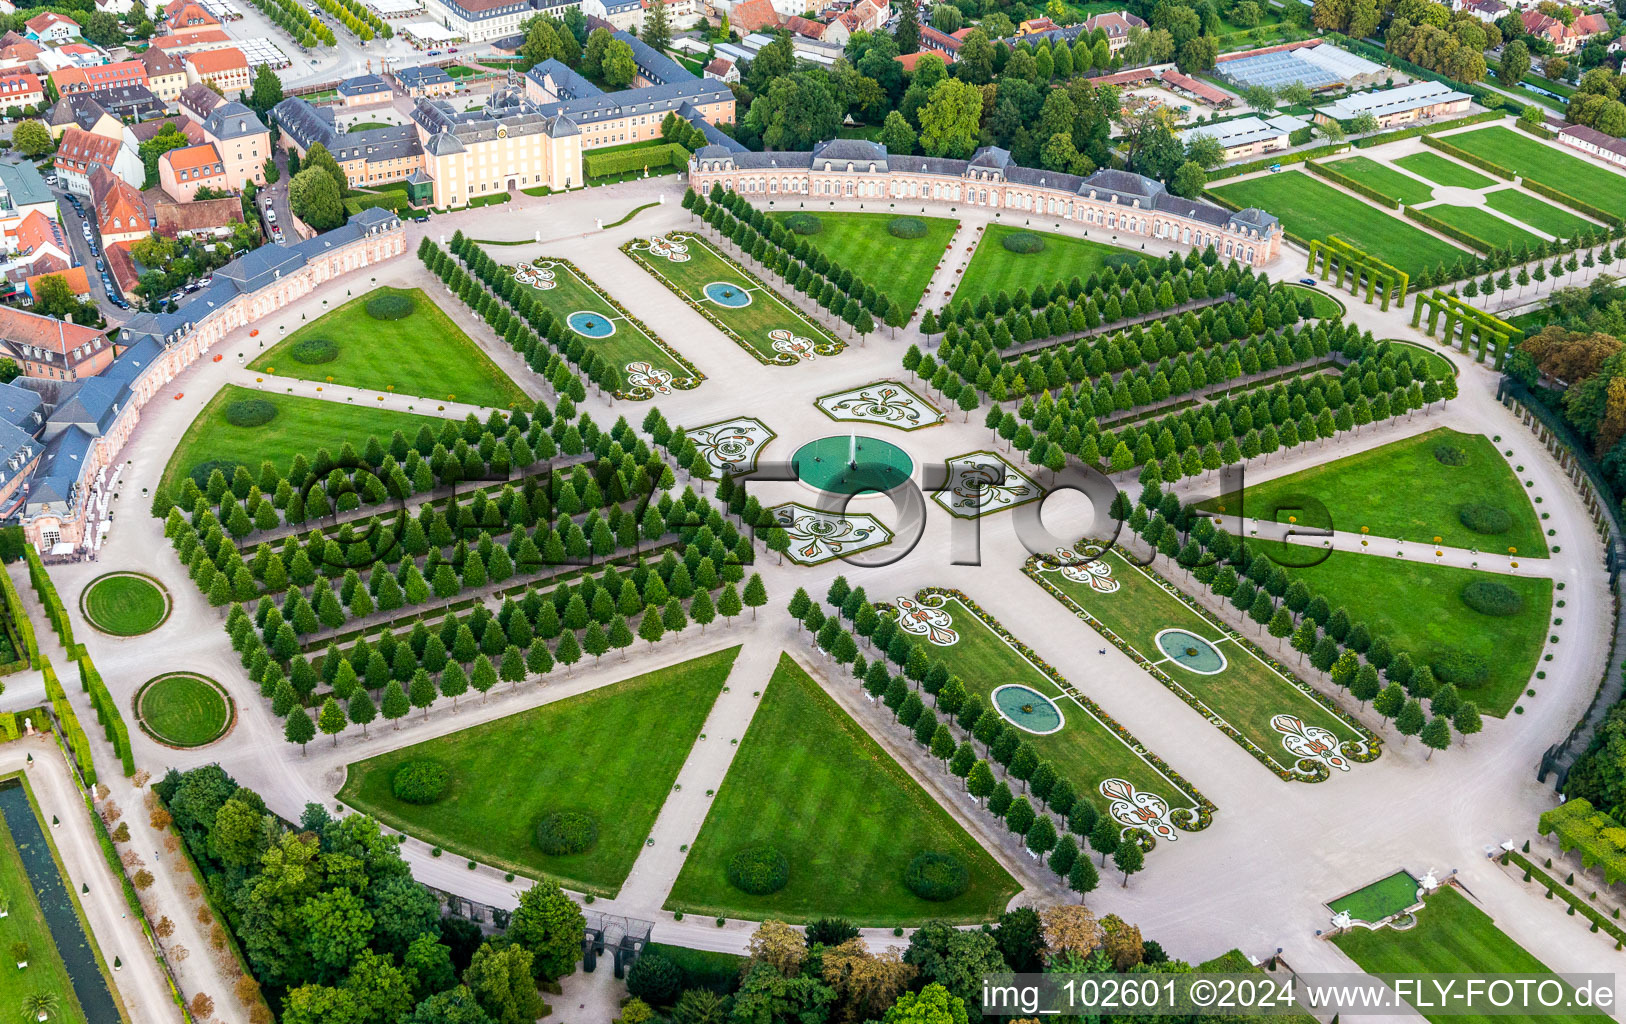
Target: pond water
[[1027, 708], [852, 464], [725, 294], [89, 984], [591, 325], [1191, 651]]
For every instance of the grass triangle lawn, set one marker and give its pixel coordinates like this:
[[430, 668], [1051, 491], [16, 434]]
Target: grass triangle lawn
[[611, 753], [899, 267], [809, 781]]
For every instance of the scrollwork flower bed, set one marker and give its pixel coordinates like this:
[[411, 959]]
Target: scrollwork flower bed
[[831, 346], [1371, 746], [637, 394], [1186, 818]]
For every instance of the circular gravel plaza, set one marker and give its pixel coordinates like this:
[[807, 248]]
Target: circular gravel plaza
[[184, 709], [125, 604]]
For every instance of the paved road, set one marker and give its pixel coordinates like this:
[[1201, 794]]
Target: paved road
[[1301, 844]]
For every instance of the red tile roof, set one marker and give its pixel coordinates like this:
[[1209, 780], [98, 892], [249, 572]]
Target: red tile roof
[[204, 158], [751, 15], [82, 151], [119, 206], [215, 62], [20, 328], [43, 22]]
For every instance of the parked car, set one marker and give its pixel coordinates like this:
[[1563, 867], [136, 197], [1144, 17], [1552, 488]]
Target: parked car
[[434, 53], [206, 280], [451, 49], [101, 265], [271, 215], [422, 218], [1308, 280]]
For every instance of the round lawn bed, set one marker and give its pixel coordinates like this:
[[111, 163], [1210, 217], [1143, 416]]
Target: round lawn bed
[[421, 781], [1023, 242], [314, 351], [804, 224], [183, 709], [390, 306], [250, 412], [1485, 519], [565, 832], [124, 603], [937, 877], [758, 870], [907, 227]]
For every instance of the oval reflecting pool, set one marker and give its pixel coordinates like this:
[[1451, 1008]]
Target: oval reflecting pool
[[1191, 651], [725, 294], [591, 325], [1027, 708], [852, 464]]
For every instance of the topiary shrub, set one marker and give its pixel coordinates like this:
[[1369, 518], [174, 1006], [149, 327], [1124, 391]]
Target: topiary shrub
[[906, 227], [1450, 455], [200, 472], [313, 351], [758, 870], [390, 306], [1461, 668], [804, 224], [566, 832], [420, 781], [1489, 597], [655, 979], [250, 412], [937, 877], [1025, 242], [1486, 519]]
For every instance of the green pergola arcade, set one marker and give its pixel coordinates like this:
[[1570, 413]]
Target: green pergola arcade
[[1349, 263], [1485, 331]]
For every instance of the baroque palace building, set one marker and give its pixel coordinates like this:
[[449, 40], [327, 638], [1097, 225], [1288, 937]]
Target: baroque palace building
[[84, 424], [1118, 202]]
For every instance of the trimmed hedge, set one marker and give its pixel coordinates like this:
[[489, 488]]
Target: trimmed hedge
[[1339, 178], [1563, 892], [1600, 838], [803, 224], [1450, 455], [250, 412], [314, 351], [937, 877], [1489, 597], [395, 202], [421, 781], [71, 732], [1284, 159], [566, 832], [907, 227], [758, 870], [391, 306], [1578, 205], [107, 713], [19, 617], [603, 165], [1427, 129], [1023, 242], [1535, 129], [1485, 519], [1428, 220]]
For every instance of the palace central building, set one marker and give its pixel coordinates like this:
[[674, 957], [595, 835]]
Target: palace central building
[[1116, 202]]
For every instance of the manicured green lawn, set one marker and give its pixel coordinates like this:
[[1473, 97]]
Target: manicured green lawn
[[1538, 213], [898, 267], [1324, 305], [753, 322], [1533, 159], [994, 268], [1372, 903], [423, 353], [1247, 693], [1452, 936], [1085, 750], [1419, 607], [124, 605], [26, 923], [1384, 179], [301, 426], [1440, 364], [1313, 209], [1443, 170], [574, 293], [611, 753], [1403, 490], [809, 781], [183, 710], [362, 126], [1485, 226]]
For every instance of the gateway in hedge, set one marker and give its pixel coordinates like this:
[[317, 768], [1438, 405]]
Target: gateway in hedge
[[1118, 201]]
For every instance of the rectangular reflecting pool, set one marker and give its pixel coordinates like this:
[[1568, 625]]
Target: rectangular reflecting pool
[[66, 932]]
